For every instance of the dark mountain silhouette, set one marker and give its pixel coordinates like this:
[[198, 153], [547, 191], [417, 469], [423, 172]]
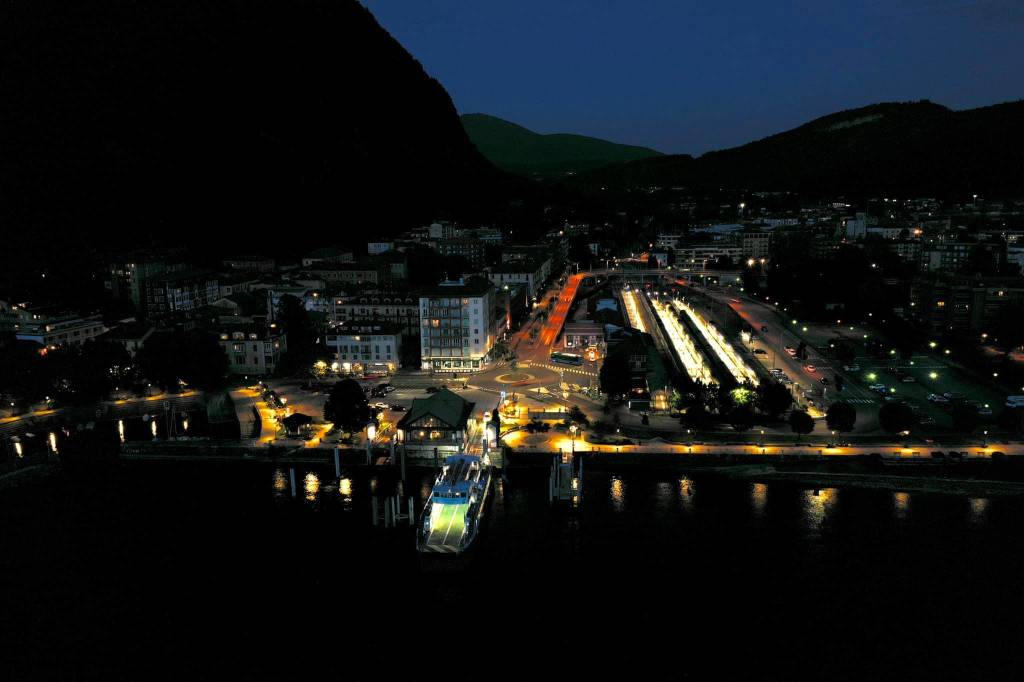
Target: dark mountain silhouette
[[918, 148], [516, 149], [273, 124]]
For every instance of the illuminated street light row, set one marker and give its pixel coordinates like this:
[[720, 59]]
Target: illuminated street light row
[[723, 349], [691, 358]]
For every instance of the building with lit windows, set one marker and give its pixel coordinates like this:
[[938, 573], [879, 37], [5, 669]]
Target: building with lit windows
[[365, 347], [456, 325], [956, 304], [252, 349], [395, 306], [441, 421]]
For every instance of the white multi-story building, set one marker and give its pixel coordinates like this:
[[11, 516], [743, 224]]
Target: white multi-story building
[[669, 241], [700, 256], [399, 307], [53, 331], [377, 248], [442, 230], [252, 349], [756, 245], [532, 273], [456, 326], [365, 347]]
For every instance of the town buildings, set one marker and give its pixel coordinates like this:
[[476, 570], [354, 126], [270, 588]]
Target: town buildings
[[953, 304], [400, 307], [181, 292], [457, 325], [365, 347], [252, 349]]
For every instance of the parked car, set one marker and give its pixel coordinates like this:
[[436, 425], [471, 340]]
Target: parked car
[[387, 388], [851, 368], [398, 408], [760, 351], [810, 368], [936, 398], [878, 388], [791, 350]]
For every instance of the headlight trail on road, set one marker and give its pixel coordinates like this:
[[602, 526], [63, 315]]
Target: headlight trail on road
[[691, 358], [723, 349]]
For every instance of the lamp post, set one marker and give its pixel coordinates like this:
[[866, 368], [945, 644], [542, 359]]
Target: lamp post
[[572, 437]]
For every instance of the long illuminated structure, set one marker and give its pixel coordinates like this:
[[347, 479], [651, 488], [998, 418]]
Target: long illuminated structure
[[686, 350], [722, 348], [633, 310]]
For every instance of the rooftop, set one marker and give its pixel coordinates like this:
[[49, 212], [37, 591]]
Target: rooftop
[[444, 405], [474, 286]]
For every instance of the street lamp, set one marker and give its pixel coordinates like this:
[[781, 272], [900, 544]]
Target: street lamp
[[572, 437]]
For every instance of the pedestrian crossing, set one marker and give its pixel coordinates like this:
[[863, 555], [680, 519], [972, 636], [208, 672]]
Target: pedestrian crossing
[[860, 401]]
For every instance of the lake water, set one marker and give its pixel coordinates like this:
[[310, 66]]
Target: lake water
[[213, 572]]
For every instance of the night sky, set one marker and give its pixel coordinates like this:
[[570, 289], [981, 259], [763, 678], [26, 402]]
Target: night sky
[[692, 76]]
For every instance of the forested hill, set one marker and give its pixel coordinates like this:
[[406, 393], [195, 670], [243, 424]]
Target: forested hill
[[518, 150], [917, 148]]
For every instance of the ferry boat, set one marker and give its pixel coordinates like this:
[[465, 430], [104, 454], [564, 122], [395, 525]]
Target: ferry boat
[[451, 518]]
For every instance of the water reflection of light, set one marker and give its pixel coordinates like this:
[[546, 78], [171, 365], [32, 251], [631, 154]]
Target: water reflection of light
[[152, 427], [686, 488], [17, 449], [280, 480], [345, 487], [618, 492], [979, 507], [901, 503], [818, 503], [759, 498], [184, 424], [312, 486], [53, 442], [120, 429]]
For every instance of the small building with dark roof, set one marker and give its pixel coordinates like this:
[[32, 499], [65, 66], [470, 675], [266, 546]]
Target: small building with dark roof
[[441, 421]]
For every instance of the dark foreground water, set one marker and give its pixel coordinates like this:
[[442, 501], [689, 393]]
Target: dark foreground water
[[155, 571]]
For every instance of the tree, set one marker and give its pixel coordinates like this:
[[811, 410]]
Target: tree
[[741, 418], [615, 375], [800, 422], [696, 417], [576, 416], [346, 406], [300, 334], [896, 418], [773, 398], [194, 357], [965, 418], [841, 416], [845, 353]]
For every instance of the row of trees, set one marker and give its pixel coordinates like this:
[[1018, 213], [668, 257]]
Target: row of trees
[[89, 371]]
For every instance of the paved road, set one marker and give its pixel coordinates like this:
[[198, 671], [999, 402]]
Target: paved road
[[932, 373]]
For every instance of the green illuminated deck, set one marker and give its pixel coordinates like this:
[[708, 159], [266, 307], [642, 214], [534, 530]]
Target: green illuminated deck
[[448, 525]]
